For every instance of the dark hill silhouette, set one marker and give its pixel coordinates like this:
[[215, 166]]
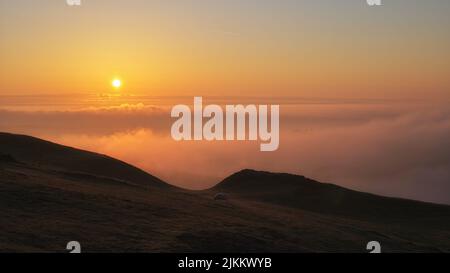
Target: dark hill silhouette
[[304, 193], [52, 194], [41, 153]]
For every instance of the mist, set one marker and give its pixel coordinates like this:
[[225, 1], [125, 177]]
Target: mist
[[394, 149]]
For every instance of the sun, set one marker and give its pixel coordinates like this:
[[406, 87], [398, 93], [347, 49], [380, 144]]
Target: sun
[[116, 83]]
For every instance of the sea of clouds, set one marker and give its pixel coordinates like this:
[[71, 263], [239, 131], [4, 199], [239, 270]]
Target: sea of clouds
[[391, 148]]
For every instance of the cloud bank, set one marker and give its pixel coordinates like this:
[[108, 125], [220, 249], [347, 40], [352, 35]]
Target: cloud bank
[[391, 149]]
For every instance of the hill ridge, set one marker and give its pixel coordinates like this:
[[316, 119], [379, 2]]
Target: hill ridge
[[297, 191], [35, 151]]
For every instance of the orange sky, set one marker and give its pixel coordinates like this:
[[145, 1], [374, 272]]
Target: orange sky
[[364, 91], [259, 48]]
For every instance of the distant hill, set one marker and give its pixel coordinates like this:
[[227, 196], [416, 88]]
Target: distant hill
[[52, 194], [300, 192], [46, 154]]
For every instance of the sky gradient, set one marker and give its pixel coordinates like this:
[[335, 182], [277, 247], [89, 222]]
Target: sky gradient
[[323, 48], [364, 91]]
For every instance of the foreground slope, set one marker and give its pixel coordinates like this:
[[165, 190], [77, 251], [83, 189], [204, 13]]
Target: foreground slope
[[44, 204]]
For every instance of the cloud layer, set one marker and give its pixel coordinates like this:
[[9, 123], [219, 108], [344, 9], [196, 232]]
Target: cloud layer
[[391, 149]]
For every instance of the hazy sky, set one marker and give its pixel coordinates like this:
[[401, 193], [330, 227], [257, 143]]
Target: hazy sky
[[364, 91], [321, 48]]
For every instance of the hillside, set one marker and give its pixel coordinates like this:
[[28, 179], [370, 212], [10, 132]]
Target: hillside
[[48, 155], [304, 193], [52, 194]]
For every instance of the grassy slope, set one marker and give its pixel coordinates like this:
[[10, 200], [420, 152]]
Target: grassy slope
[[46, 154], [43, 207]]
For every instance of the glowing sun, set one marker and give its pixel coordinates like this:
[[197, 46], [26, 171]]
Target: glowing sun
[[116, 83]]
